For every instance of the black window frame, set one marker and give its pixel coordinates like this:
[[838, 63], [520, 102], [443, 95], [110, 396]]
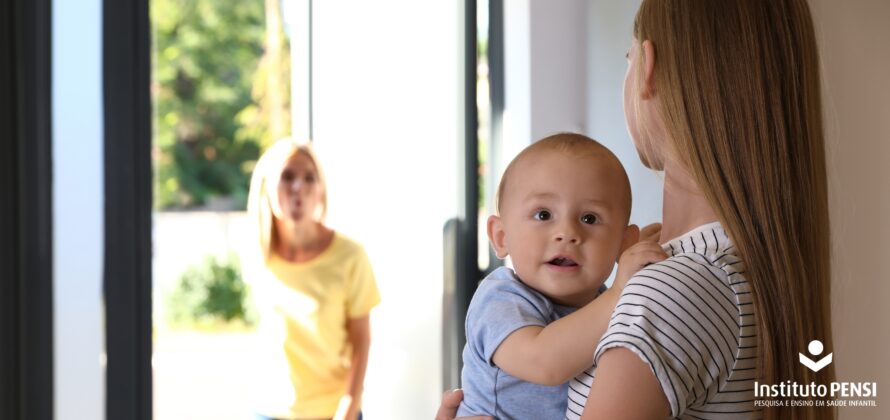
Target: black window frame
[[26, 253], [128, 204]]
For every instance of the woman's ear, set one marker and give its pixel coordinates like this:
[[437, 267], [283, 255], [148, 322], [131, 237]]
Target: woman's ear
[[631, 236], [497, 236], [648, 88]]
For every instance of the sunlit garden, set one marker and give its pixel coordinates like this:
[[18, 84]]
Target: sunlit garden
[[220, 94]]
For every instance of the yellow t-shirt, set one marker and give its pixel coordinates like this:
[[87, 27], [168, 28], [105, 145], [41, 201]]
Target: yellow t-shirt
[[304, 309]]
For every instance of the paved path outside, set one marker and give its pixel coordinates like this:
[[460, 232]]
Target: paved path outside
[[199, 376]]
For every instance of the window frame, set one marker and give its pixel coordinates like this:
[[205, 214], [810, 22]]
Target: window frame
[[127, 278], [26, 255]]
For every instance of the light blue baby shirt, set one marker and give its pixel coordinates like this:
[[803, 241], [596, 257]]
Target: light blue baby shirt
[[502, 304]]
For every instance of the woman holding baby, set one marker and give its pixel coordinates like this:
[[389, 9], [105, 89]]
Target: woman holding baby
[[724, 97]]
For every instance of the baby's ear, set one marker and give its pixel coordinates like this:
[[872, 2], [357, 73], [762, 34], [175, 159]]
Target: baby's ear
[[631, 236], [497, 236]]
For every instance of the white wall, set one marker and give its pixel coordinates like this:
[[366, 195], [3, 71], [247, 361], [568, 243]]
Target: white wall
[[78, 209], [545, 70], [856, 63], [558, 66]]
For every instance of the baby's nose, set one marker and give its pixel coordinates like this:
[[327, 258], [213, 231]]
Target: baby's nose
[[567, 236]]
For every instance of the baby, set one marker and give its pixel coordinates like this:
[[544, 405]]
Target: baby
[[563, 208]]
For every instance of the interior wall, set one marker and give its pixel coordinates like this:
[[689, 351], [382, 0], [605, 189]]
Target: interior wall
[[856, 64], [558, 65], [545, 71]]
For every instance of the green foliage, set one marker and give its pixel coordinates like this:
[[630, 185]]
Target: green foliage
[[268, 118], [211, 293], [206, 56]]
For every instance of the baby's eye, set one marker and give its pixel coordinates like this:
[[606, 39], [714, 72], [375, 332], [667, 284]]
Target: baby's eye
[[542, 215], [589, 219]]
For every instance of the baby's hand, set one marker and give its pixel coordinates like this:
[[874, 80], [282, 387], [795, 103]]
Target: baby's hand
[[634, 259], [651, 232]]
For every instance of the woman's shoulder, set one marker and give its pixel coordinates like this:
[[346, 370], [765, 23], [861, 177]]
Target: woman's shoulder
[[702, 271], [345, 246], [704, 254], [687, 316], [708, 245]]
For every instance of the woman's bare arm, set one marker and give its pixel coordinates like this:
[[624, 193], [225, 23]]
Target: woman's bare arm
[[625, 388], [358, 332]]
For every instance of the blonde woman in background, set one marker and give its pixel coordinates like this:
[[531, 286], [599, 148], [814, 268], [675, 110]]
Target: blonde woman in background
[[314, 289], [724, 97]]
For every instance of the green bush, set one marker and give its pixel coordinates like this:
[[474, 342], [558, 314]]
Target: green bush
[[210, 294]]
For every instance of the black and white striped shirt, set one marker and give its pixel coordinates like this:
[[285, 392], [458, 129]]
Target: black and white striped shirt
[[691, 319]]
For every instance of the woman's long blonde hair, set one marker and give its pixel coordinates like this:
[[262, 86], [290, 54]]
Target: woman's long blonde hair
[[264, 187], [739, 89]]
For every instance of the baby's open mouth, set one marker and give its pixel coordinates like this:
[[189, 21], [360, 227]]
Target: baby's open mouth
[[562, 262]]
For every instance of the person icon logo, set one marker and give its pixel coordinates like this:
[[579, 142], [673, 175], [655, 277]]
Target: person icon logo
[[815, 348]]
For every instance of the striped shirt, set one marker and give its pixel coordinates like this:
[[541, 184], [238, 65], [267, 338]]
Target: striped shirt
[[691, 319]]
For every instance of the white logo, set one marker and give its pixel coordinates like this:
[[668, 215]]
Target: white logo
[[815, 348], [835, 394]]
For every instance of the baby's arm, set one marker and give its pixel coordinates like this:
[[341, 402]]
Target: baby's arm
[[554, 354]]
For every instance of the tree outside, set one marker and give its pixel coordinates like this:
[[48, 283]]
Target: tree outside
[[221, 92]]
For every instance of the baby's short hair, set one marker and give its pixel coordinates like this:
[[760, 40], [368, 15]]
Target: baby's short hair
[[571, 143]]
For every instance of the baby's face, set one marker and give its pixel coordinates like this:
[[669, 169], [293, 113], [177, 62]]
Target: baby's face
[[562, 223]]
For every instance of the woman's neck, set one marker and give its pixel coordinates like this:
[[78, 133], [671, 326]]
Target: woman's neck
[[684, 206], [301, 242]]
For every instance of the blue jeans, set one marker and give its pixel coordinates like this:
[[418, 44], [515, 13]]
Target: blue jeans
[[262, 417]]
